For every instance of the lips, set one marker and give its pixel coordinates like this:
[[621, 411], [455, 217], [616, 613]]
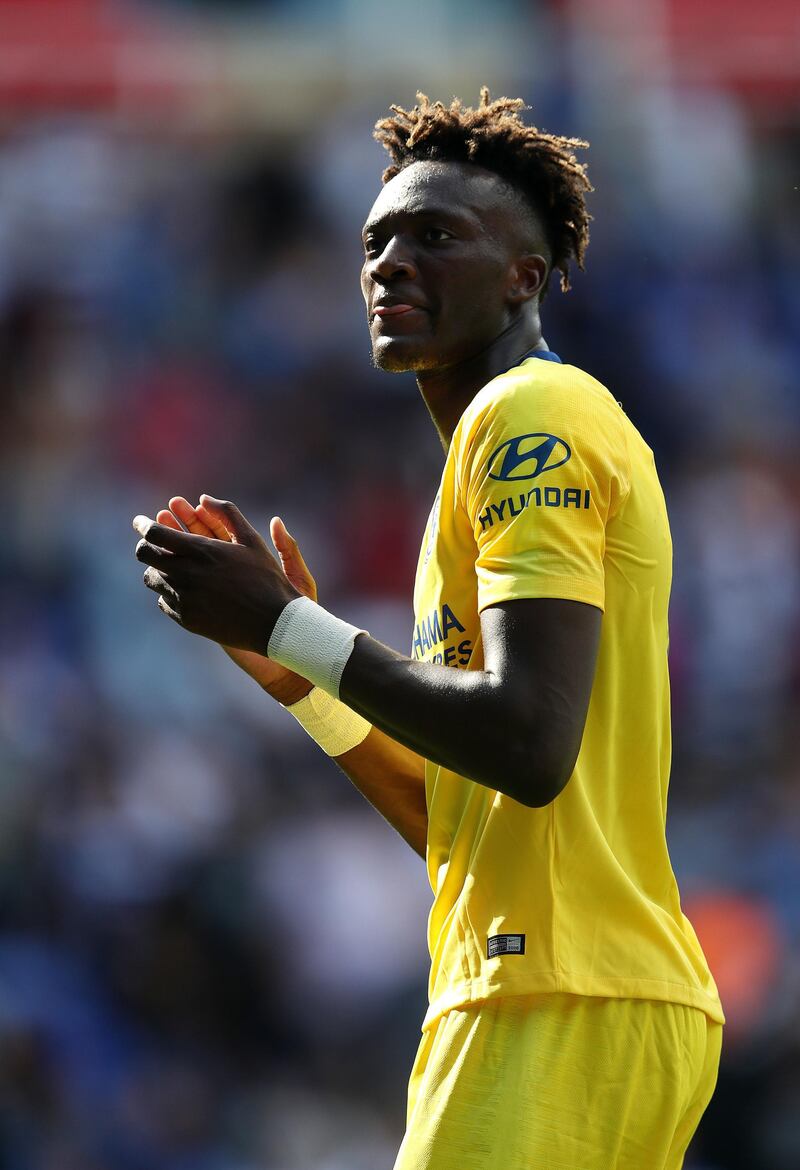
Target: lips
[[394, 310]]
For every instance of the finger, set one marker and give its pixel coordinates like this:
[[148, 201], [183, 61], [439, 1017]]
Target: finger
[[215, 525], [242, 531], [156, 581], [182, 509], [187, 514], [172, 539], [292, 562], [196, 527], [166, 608], [288, 550], [284, 542], [151, 554], [168, 520]]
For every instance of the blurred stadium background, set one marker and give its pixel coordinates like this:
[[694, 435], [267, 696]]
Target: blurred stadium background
[[211, 950]]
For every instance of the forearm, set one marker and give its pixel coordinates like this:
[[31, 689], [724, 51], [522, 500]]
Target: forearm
[[389, 775], [514, 726], [463, 720], [392, 778]]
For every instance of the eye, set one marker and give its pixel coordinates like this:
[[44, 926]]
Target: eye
[[371, 246], [437, 235]]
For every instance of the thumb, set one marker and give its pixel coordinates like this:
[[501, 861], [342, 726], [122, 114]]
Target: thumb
[[241, 530], [284, 543], [295, 568]]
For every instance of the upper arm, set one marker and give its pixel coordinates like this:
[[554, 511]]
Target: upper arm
[[543, 654], [545, 469]]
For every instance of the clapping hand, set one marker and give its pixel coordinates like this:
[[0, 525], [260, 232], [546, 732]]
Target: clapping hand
[[231, 594]]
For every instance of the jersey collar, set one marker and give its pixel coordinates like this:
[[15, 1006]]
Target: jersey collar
[[546, 355]]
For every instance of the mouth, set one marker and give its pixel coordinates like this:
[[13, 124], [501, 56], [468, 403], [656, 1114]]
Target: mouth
[[398, 310], [398, 320]]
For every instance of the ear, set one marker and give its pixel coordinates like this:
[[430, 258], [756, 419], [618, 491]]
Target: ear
[[527, 278]]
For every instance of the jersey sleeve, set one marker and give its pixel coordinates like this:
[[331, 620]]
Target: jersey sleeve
[[543, 470]]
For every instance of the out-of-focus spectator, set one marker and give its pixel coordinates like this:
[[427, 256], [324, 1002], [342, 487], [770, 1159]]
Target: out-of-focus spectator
[[211, 953]]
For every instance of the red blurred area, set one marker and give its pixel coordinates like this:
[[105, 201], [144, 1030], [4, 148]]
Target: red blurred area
[[740, 46], [86, 54], [755, 48], [745, 948]]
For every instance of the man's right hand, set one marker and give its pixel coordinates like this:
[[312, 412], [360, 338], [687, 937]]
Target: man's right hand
[[206, 520]]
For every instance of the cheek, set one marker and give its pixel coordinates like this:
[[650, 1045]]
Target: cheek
[[365, 285], [475, 303]]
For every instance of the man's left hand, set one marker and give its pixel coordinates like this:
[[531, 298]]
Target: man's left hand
[[229, 592]]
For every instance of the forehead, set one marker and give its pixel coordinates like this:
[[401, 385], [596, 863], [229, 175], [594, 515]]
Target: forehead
[[460, 188]]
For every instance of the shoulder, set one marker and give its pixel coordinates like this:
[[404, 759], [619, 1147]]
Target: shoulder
[[543, 397]]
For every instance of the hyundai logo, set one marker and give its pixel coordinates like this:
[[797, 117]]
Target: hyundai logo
[[527, 456]]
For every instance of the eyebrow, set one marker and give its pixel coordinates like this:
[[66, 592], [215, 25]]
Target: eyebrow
[[430, 212]]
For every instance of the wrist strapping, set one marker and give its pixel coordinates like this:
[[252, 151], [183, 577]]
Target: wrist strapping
[[313, 643], [330, 722]]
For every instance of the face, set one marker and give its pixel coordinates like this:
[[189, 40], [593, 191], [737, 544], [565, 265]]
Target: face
[[442, 274]]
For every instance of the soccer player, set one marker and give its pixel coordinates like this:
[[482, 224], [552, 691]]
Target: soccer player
[[524, 748]]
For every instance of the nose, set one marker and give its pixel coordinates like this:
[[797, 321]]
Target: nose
[[395, 262]]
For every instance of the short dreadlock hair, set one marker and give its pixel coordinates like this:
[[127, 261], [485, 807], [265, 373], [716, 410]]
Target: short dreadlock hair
[[541, 166]]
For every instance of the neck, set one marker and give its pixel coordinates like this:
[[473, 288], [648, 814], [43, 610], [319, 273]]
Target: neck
[[447, 391]]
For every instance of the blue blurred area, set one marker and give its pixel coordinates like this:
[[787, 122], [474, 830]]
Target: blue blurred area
[[211, 951]]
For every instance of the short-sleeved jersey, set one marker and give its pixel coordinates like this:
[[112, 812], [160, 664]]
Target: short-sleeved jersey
[[548, 490]]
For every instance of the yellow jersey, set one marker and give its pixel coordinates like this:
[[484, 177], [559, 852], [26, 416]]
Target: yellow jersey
[[548, 490]]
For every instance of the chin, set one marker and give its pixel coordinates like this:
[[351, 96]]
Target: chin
[[393, 357]]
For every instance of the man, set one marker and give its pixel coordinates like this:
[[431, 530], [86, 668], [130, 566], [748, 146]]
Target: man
[[573, 1022]]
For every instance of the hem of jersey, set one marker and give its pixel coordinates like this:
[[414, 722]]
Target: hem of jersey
[[558, 588], [548, 982]]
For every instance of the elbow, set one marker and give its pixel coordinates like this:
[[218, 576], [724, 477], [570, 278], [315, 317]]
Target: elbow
[[539, 791], [530, 761], [536, 777], [539, 794]]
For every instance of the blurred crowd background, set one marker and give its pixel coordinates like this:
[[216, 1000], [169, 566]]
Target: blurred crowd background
[[212, 950]]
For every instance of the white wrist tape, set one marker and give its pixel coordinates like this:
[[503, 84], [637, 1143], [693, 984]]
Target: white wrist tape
[[329, 722], [313, 643]]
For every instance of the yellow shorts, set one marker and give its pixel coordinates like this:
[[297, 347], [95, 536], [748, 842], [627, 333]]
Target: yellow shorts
[[560, 1082]]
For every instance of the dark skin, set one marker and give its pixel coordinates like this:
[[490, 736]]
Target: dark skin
[[457, 240], [454, 266]]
